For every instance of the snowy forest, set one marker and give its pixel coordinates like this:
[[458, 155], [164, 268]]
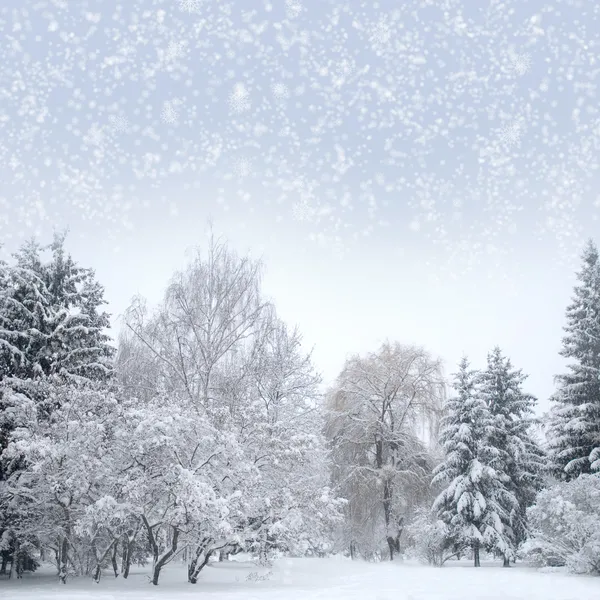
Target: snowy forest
[[202, 429]]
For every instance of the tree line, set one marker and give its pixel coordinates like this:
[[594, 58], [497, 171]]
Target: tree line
[[484, 474], [205, 431]]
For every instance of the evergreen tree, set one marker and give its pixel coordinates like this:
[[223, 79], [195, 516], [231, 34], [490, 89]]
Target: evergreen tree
[[515, 453], [72, 324], [52, 330], [475, 502], [574, 429]]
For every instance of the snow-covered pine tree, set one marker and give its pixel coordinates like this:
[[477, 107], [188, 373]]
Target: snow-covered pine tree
[[516, 455], [51, 325], [574, 428], [474, 502], [51, 318], [52, 330]]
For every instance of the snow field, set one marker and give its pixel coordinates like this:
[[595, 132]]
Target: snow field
[[326, 579]]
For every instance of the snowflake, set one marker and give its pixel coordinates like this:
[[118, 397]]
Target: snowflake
[[342, 71], [239, 99], [302, 211], [190, 6], [346, 67], [174, 50], [118, 123], [521, 63], [169, 114], [95, 136], [292, 8], [280, 91], [511, 133], [381, 35], [243, 167]]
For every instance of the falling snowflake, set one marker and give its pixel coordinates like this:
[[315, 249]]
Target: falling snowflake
[[280, 91], [243, 167], [293, 8], [511, 134], [303, 211], [239, 99], [169, 113], [521, 63], [174, 50], [190, 6], [95, 136], [381, 35], [118, 123]]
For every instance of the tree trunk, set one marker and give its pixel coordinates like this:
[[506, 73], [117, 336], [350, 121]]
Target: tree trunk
[[127, 551], [160, 560], [263, 551], [263, 544], [97, 573], [98, 568], [100, 560], [4, 563], [352, 550], [391, 546], [476, 554], [387, 513], [397, 543], [399, 530], [113, 558], [127, 562], [124, 548], [506, 562], [263, 556], [199, 561], [64, 558], [15, 560]]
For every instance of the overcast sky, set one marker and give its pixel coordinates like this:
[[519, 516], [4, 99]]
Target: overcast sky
[[420, 171], [352, 302]]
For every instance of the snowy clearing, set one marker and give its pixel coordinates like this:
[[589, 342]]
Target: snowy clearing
[[331, 579]]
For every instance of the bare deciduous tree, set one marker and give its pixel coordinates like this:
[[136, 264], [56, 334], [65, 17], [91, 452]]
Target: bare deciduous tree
[[382, 464], [209, 311]]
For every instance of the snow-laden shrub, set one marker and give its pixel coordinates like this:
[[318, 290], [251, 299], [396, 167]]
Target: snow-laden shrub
[[565, 526], [429, 538]]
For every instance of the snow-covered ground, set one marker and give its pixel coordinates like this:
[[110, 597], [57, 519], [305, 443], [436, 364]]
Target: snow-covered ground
[[327, 579]]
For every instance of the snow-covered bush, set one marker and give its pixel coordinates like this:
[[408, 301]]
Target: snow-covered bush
[[429, 536], [565, 526]]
